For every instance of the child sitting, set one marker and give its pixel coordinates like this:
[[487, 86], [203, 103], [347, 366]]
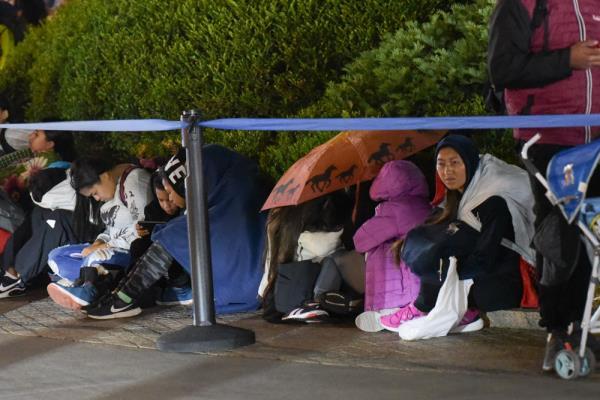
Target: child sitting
[[403, 192]]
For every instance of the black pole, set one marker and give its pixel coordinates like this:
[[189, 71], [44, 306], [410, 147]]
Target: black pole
[[198, 233], [204, 334]]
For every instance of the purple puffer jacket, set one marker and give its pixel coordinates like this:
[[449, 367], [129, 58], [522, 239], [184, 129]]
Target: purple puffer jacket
[[402, 188]]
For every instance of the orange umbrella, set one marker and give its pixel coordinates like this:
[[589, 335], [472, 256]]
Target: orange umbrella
[[346, 159]]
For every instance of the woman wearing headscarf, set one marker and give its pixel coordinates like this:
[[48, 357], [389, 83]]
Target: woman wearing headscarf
[[487, 217]]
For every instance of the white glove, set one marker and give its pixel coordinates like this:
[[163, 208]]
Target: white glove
[[99, 255]]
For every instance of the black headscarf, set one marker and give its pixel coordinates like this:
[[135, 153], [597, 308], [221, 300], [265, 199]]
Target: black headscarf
[[466, 149]]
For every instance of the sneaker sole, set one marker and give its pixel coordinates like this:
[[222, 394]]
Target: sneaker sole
[[14, 292], [175, 303], [124, 314], [368, 321], [474, 326], [64, 298]]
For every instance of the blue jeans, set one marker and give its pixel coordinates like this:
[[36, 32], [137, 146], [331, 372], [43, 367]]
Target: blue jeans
[[66, 261]]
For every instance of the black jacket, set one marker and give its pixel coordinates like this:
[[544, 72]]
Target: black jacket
[[511, 64]]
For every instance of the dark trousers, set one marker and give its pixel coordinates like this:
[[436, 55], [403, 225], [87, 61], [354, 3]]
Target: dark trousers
[[154, 264], [495, 292], [564, 303], [16, 241]]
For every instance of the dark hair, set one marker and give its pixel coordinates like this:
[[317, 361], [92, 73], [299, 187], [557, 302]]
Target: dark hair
[[285, 224], [44, 180], [157, 180], [34, 11], [86, 172], [4, 105], [64, 144]]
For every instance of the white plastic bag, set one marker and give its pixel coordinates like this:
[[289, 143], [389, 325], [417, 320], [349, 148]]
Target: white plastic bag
[[449, 309]]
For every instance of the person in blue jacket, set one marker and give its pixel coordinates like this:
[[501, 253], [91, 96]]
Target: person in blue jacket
[[235, 193]]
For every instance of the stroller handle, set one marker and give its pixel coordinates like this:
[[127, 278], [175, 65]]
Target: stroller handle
[[531, 168], [528, 144]]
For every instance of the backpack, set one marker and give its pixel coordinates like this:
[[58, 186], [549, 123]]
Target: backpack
[[124, 176], [494, 98]]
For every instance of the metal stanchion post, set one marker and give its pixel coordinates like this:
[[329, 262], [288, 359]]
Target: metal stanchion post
[[204, 334]]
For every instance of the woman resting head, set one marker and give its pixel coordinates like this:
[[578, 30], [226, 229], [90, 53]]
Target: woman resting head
[[285, 226], [166, 204]]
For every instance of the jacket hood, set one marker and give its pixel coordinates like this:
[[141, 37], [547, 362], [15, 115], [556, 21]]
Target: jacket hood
[[61, 196], [399, 178]]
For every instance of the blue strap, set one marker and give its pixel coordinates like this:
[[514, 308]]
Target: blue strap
[[327, 124], [60, 164], [425, 123]]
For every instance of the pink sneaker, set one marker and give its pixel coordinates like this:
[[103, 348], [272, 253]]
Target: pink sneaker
[[471, 322], [393, 321]]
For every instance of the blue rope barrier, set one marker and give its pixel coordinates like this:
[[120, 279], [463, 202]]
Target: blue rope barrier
[[123, 125], [425, 123], [327, 124]]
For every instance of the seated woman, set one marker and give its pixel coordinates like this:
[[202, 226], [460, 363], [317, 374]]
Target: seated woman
[[402, 189], [120, 193], [52, 153], [299, 239], [494, 200], [235, 193]]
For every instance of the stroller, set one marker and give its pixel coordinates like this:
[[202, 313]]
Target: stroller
[[568, 175]]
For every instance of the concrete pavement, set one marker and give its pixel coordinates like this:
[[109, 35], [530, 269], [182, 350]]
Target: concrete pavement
[[60, 354]]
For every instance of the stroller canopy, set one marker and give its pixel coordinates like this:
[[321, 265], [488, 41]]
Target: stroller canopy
[[568, 175]]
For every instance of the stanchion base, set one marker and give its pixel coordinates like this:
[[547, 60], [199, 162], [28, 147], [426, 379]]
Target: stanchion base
[[198, 339]]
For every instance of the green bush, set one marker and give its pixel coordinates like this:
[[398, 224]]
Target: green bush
[[99, 59], [435, 68]]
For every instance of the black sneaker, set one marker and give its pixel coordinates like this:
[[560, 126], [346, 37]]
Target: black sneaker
[[554, 343], [10, 287], [341, 303], [114, 307], [308, 313]]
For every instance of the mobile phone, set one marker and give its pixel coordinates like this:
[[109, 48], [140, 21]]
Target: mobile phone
[[149, 225]]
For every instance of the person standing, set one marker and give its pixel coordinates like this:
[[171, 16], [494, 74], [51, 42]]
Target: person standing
[[544, 56]]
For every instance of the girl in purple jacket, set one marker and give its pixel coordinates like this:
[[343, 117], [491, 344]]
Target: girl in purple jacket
[[403, 192]]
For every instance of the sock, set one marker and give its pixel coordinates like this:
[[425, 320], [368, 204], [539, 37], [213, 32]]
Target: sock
[[11, 276], [124, 297]]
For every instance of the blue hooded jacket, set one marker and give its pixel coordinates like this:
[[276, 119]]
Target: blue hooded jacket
[[235, 194]]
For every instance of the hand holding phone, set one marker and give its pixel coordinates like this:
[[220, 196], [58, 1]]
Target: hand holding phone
[[149, 225]]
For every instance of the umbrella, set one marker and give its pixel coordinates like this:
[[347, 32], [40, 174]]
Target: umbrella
[[345, 160]]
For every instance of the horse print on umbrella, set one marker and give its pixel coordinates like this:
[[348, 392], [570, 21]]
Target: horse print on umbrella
[[382, 155], [280, 190], [293, 191], [406, 147], [347, 175], [322, 181]]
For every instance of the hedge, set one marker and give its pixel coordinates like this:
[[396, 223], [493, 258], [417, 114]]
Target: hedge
[[99, 59], [436, 68]]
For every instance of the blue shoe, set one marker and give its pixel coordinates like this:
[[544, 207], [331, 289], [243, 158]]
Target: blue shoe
[[174, 295], [73, 297]]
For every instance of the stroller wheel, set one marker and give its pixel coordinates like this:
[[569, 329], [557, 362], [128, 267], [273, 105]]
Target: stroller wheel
[[588, 363], [567, 364]]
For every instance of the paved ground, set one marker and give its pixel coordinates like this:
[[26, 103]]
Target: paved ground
[[53, 352]]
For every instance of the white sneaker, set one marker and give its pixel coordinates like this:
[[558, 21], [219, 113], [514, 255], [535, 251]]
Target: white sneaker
[[368, 321]]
